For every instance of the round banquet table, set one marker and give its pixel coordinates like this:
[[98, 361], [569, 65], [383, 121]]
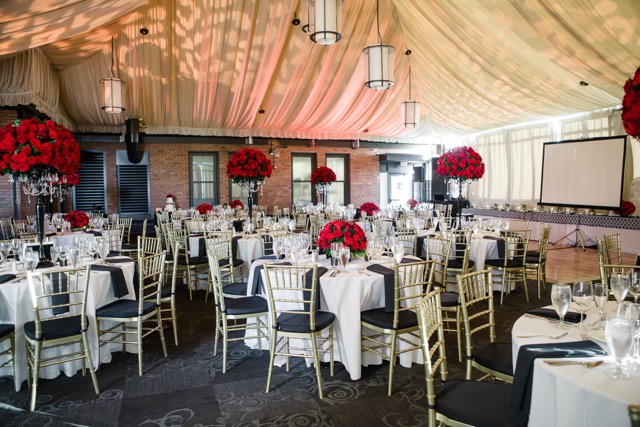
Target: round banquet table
[[575, 395]]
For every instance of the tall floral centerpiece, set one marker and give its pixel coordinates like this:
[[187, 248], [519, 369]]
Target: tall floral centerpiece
[[322, 178], [461, 165], [370, 208], [347, 232], [43, 158], [248, 168], [631, 106]]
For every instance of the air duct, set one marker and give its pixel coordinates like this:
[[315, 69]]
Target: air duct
[[132, 139]]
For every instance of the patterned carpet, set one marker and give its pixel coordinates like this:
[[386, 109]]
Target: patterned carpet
[[189, 389]]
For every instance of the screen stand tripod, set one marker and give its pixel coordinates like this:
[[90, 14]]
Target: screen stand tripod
[[579, 237]]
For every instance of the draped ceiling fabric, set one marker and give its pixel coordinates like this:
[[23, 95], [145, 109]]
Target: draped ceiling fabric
[[208, 66]]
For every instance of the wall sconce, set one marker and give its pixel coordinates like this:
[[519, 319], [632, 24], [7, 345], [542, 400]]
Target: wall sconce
[[112, 88]]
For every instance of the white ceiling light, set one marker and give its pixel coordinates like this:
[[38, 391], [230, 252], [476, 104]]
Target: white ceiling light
[[411, 109], [325, 21], [112, 88], [379, 59]]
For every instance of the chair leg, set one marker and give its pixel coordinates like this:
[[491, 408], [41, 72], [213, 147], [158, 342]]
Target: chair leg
[[392, 360], [316, 362], [524, 282], [36, 373], [217, 333], [458, 333], [224, 345], [161, 331], [87, 353], [13, 361], [272, 356], [174, 319], [331, 350], [139, 341]]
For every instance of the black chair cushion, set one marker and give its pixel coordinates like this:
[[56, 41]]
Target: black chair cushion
[[246, 305], [125, 309], [165, 292], [55, 328], [294, 322], [511, 263], [225, 262], [193, 260], [457, 264], [533, 254], [129, 246], [496, 356], [6, 329], [384, 319], [478, 403], [449, 299], [237, 288], [532, 260]]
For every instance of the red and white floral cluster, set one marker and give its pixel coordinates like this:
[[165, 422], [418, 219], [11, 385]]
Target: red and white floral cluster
[[412, 203], [461, 164], [77, 219], [627, 208], [323, 175], [249, 164], [204, 208], [33, 147], [631, 106], [347, 232], [369, 208]]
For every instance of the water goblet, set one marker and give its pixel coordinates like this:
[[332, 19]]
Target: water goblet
[[634, 286], [398, 251], [63, 254], [369, 250], [103, 250], [55, 254], [582, 295], [560, 299], [4, 251], [277, 248], [31, 259], [345, 255], [619, 286], [292, 225], [619, 335], [74, 255]]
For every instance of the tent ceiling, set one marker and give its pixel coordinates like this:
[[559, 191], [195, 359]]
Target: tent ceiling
[[208, 67]]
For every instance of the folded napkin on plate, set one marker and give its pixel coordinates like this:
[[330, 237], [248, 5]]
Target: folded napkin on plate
[[523, 377], [388, 274], [549, 313], [95, 233], [6, 277], [500, 243], [136, 278], [118, 282], [257, 284]]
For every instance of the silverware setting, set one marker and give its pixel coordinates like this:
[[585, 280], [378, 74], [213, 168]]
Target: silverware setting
[[592, 364], [552, 337]]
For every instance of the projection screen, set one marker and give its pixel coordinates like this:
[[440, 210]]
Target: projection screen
[[584, 173]]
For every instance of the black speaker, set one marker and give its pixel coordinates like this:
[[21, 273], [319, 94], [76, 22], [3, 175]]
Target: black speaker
[[418, 174], [438, 182]]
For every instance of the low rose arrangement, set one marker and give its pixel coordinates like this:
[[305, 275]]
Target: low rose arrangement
[[248, 164], [170, 196], [77, 219], [323, 175], [631, 106], [413, 203], [347, 232], [461, 164], [627, 208], [204, 208], [236, 204], [369, 208]]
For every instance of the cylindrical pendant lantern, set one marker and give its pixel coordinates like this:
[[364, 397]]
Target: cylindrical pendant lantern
[[113, 100], [325, 21], [379, 60], [411, 111]]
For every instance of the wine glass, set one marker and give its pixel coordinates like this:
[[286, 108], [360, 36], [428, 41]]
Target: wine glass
[[619, 286], [600, 296], [74, 255], [398, 251], [31, 259], [103, 250], [277, 248], [55, 254], [369, 251], [634, 286], [582, 295], [560, 299], [619, 335], [345, 255], [4, 251], [292, 225]]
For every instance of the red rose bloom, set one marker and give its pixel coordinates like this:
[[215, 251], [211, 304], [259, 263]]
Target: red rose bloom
[[461, 164], [236, 204], [631, 106], [369, 208], [77, 219], [249, 164], [323, 175], [349, 233], [204, 208]]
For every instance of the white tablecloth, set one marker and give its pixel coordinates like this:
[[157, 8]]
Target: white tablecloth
[[346, 295], [16, 308], [566, 396]]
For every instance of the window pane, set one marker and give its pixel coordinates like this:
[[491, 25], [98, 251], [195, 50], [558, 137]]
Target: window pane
[[204, 169], [337, 165], [301, 168], [301, 192], [336, 194]]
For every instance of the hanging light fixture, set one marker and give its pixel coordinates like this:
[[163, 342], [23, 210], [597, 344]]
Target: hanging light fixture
[[325, 20], [379, 60], [411, 109], [113, 88]]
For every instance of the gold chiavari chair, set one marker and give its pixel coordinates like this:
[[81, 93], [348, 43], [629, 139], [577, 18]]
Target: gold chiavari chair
[[513, 265], [536, 264], [7, 356]]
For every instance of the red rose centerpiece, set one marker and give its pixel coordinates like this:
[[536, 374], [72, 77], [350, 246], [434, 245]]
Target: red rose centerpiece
[[322, 178], [627, 208], [249, 168], [347, 232], [631, 106], [413, 203], [77, 219], [236, 204], [204, 208], [369, 208]]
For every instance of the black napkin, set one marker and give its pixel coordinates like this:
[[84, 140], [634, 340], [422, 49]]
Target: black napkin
[[389, 291], [6, 277], [501, 245], [136, 277], [257, 284], [523, 378], [307, 281], [549, 313], [420, 242], [113, 253], [95, 233], [266, 238], [60, 284], [267, 258], [202, 247], [118, 282]]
